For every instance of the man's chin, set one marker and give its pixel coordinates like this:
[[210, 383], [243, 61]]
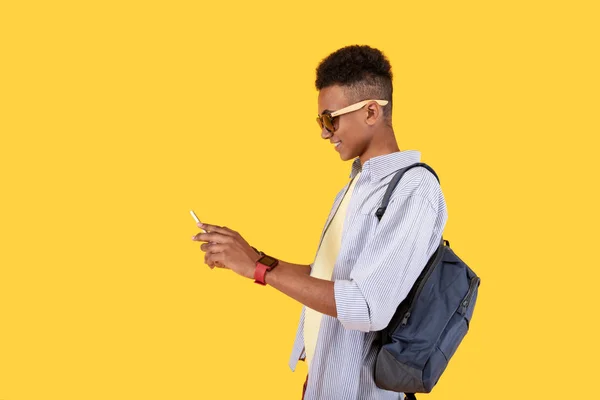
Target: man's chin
[[344, 157]]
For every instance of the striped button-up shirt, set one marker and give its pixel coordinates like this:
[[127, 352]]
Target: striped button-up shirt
[[378, 263]]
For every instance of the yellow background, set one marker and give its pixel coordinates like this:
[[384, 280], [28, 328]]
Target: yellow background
[[117, 118]]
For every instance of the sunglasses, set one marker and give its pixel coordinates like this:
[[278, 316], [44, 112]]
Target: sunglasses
[[327, 118]]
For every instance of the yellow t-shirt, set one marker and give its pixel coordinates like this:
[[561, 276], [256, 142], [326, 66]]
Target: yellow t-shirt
[[323, 267]]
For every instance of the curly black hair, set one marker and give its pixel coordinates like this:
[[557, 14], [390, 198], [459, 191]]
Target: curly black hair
[[364, 70]]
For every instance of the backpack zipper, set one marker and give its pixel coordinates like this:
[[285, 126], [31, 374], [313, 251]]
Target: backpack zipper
[[422, 284], [467, 300]]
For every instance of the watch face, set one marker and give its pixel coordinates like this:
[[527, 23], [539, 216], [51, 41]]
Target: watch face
[[268, 261]]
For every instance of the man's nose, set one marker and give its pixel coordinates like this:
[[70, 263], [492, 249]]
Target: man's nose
[[325, 134]]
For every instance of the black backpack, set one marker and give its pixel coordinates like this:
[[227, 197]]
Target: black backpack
[[430, 323]]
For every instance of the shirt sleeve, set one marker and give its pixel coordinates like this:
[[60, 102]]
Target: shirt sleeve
[[388, 266]]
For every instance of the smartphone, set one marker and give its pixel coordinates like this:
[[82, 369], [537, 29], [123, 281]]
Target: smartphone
[[196, 218]]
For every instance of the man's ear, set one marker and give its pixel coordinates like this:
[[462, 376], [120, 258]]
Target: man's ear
[[374, 112]]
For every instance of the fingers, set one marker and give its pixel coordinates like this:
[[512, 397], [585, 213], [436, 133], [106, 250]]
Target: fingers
[[214, 260], [207, 262], [219, 239], [223, 230], [212, 237], [213, 247]]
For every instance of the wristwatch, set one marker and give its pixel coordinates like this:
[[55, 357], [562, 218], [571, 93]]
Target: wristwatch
[[264, 265], [257, 251]]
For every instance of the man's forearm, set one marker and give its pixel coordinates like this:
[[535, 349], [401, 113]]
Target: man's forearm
[[296, 282], [302, 267]]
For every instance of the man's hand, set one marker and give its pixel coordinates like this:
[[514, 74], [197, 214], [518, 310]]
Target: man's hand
[[226, 248]]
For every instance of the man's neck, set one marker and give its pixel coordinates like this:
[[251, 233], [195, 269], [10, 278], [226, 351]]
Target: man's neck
[[386, 145]]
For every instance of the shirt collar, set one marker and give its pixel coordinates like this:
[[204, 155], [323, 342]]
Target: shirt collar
[[379, 167]]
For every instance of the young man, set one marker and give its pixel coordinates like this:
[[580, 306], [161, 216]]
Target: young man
[[363, 268]]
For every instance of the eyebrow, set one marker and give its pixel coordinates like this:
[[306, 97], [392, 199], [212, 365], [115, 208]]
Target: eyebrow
[[326, 111]]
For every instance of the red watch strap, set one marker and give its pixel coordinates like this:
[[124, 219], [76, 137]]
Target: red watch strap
[[259, 273]]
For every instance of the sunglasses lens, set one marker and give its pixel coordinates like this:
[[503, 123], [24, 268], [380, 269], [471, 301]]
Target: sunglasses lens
[[325, 121], [320, 122], [328, 123]]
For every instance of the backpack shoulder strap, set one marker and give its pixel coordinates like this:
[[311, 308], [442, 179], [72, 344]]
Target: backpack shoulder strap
[[394, 182]]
